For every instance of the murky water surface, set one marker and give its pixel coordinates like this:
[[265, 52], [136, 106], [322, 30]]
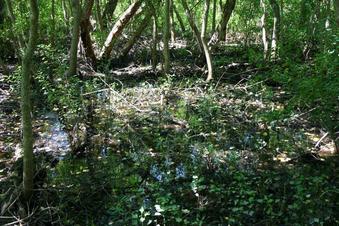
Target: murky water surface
[[53, 139]]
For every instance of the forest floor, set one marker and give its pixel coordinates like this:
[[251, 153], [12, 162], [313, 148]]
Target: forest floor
[[228, 151]]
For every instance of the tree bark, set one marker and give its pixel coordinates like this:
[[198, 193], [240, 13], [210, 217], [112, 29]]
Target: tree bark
[[194, 27], [118, 28], [53, 31], [201, 37], [144, 23], [166, 37], [276, 27], [65, 12], [26, 104], [226, 15], [85, 32], [181, 22], [75, 37], [154, 43], [172, 23], [263, 28], [108, 11], [204, 40]]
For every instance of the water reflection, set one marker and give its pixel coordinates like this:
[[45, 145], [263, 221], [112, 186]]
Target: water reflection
[[53, 139], [157, 173], [180, 171]]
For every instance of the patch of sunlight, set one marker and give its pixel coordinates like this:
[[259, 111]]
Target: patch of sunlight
[[313, 137], [282, 157]]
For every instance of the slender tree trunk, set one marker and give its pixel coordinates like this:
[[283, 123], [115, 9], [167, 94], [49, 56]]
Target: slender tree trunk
[[154, 43], [166, 37], [327, 13], [65, 12], [108, 11], [214, 15], [274, 40], [226, 15], [75, 37], [201, 37], [85, 32], [276, 28], [204, 40], [118, 28], [194, 27], [181, 22], [26, 104], [336, 6], [172, 23], [263, 28], [144, 23]]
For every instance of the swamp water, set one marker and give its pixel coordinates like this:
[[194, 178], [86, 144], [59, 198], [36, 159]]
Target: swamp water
[[153, 152]]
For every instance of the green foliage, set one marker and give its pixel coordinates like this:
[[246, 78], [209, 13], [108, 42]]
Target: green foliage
[[108, 192], [200, 160]]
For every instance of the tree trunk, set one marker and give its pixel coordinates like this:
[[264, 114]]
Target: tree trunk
[[204, 40], [276, 27], [144, 23], [53, 31], [154, 43], [226, 15], [108, 11], [193, 25], [214, 14], [75, 37], [85, 32], [26, 104], [65, 12], [166, 37], [118, 28], [172, 23], [263, 28], [181, 22], [201, 37]]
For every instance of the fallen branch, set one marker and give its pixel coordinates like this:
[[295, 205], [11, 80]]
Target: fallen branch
[[320, 140]]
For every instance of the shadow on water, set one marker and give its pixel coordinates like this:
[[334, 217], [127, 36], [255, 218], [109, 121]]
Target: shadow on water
[[52, 138]]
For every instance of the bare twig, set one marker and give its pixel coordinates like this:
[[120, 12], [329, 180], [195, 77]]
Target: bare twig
[[121, 97], [320, 140], [96, 91]]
